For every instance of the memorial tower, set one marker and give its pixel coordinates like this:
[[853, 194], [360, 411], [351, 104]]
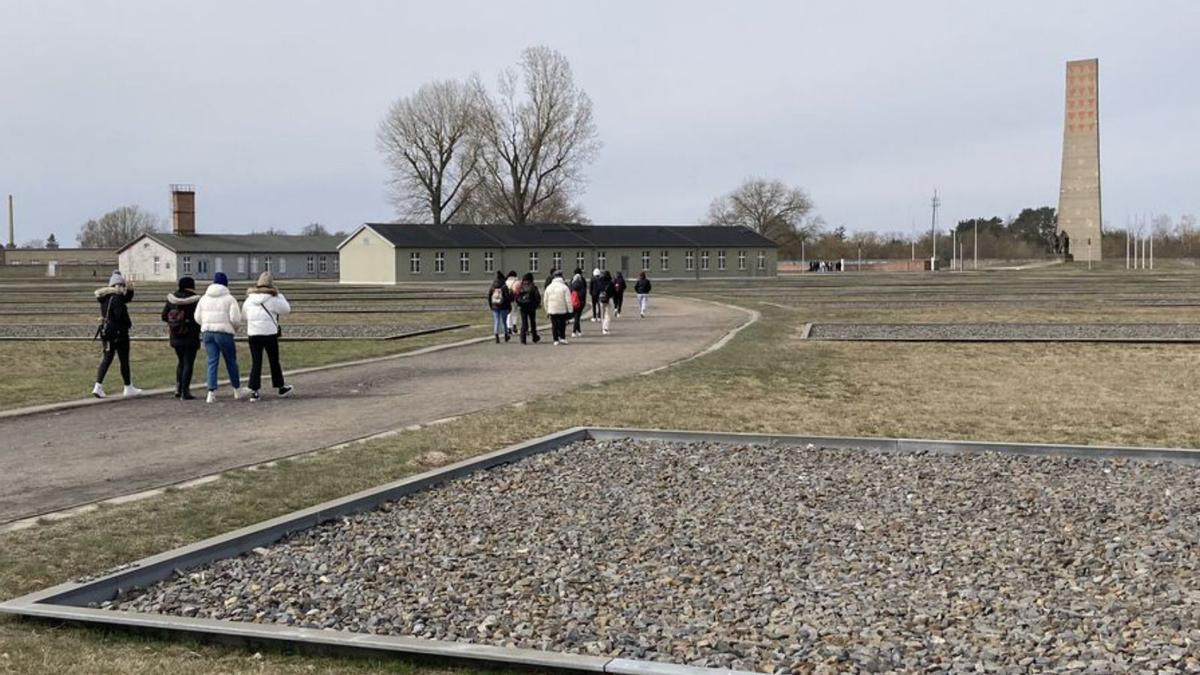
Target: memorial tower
[[1079, 189]]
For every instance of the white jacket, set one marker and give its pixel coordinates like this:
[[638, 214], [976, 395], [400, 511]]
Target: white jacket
[[217, 311], [557, 298], [262, 312]]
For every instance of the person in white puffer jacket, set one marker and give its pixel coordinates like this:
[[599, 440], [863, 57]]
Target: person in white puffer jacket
[[219, 316], [262, 309], [557, 300]]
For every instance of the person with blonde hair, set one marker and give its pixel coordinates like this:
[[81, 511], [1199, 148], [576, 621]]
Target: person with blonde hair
[[262, 309]]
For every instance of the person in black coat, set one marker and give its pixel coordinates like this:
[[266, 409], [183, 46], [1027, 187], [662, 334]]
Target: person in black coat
[[528, 300], [642, 288], [499, 300], [179, 313], [114, 328], [618, 293], [594, 290]]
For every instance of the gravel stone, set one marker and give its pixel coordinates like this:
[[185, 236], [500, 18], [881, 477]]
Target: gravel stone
[[772, 559], [1005, 331]]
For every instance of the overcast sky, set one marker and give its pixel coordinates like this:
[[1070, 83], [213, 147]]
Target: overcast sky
[[270, 108]]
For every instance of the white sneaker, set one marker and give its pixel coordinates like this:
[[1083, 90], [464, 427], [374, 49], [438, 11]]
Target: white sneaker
[[564, 341], [240, 393], [605, 332], [556, 343], [212, 397], [131, 390], [98, 391], [593, 319]]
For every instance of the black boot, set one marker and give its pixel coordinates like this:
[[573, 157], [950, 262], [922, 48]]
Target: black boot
[[178, 391]]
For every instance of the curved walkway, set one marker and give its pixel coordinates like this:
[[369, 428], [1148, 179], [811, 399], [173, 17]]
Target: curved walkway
[[56, 460]]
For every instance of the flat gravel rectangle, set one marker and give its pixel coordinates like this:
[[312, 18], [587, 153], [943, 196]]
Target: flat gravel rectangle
[[1007, 332], [752, 557]]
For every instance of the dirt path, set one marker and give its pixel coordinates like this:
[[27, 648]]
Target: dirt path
[[51, 461]]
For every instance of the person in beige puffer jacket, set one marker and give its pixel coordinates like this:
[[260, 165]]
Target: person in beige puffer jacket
[[219, 316]]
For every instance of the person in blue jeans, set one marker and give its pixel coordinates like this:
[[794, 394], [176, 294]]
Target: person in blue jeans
[[219, 316], [500, 299]]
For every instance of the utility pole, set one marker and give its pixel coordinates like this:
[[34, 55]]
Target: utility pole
[[953, 247], [934, 204], [976, 245], [1127, 245], [12, 238]]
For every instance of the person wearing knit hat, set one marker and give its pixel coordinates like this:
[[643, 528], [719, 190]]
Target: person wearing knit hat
[[262, 309], [219, 315], [179, 313], [594, 292], [113, 331]]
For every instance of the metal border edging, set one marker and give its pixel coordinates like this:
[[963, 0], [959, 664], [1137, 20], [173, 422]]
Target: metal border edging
[[66, 601], [1190, 456]]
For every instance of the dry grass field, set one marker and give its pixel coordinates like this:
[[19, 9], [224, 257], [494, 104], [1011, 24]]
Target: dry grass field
[[766, 379]]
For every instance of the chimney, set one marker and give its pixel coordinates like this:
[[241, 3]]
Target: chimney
[[183, 210]]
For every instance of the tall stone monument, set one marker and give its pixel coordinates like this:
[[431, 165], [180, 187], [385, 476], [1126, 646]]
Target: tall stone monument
[[1079, 189]]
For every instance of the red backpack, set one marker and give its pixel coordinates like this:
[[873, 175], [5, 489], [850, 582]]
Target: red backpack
[[576, 301]]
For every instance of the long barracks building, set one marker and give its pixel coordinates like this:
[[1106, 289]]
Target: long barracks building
[[389, 253]]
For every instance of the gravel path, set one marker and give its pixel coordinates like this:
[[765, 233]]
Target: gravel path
[[1005, 331], [739, 557], [294, 330], [44, 466]]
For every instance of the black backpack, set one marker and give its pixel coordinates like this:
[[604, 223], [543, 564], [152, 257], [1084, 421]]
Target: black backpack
[[525, 296]]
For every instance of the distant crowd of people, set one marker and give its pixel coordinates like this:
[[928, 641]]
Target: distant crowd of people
[[825, 266], [564, 302], [210, 320]]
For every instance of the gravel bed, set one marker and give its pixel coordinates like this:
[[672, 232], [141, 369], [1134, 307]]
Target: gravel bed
[[1005, 331], [365, 331], [754, 558]]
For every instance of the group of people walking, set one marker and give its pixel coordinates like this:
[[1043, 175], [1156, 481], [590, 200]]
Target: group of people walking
[[564, 302], [211, 321]]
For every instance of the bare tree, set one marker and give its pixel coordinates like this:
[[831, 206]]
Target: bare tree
[[33, 243], [427, 141], [118, 227], [314, 230], [535, 137], [768, 207]]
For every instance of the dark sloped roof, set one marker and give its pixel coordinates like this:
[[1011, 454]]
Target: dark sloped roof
[[406, 235], [244, 243]]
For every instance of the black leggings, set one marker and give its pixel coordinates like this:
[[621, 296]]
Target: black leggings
[[186, 360], [120, 349], [271, 344], [618, 300], [595, 307], [528, 323], [577, 314]]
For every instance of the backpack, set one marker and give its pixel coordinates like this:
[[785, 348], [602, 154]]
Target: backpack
[[497, 296], [619, 285], [603, 297], [525, 296], [576, 301], [177, 322]]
